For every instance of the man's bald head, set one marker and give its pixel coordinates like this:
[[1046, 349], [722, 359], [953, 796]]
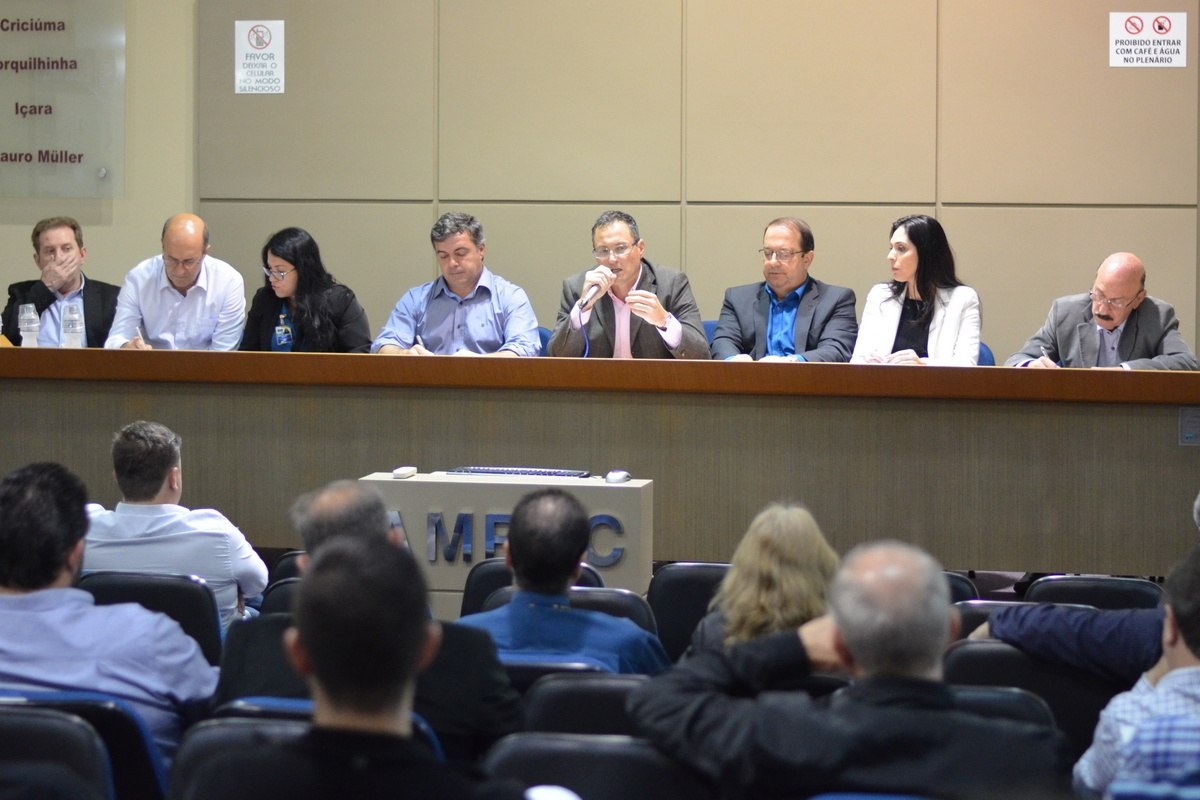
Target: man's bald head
[[341, 508], [1119, 288], [184, 246]]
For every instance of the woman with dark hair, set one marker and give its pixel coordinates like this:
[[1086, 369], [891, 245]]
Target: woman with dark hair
[[924, 315], [300, 307]]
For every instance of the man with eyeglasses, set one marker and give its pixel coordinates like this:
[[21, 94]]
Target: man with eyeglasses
[[1114, 326], [468, 311], [626, 306], [789, 315], [182, 299]]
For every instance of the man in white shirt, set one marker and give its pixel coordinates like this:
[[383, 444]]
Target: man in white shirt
[[182, 299], [150, 532]]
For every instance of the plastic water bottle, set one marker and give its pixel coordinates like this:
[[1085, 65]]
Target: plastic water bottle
[[72, 326], [30, 325]]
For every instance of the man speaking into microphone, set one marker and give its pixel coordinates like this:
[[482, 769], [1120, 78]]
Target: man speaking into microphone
[[627, 307]]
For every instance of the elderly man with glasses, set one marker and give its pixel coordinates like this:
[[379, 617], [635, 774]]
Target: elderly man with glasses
[[626, 306], [1115, 326], [181, 299], [789, 315]]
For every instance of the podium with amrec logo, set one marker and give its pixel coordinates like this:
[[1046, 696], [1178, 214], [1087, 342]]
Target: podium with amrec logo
[[453, 521]]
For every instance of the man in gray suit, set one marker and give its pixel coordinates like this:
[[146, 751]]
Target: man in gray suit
[[1115, 326], [627, 307], [789, 315]]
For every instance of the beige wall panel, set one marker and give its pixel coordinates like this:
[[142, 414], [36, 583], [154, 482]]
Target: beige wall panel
[[356, 120], [546, 100], [378, 250], [1020, 259], [1030, 111], [851, 246], [832, 100], [536, 246]]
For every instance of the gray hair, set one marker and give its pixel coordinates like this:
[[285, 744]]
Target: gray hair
[[613, 217], [341, 508], [453, 223], [891, 604]]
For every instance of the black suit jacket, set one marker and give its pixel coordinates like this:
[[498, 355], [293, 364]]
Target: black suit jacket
[[352, 332], [825, 323], [465, 694], [99, 307]]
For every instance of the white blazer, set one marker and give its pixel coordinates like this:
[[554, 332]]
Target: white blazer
[[953, 331]]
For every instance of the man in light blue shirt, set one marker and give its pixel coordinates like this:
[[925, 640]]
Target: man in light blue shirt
[[182, 299], [468, 311]]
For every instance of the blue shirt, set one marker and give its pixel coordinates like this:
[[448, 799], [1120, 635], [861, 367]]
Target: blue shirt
[[544, 627], [781, 322], [495, 316]]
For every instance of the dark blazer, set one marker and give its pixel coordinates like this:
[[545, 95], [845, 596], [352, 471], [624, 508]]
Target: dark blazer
[[825, 323], [349, 319], [465, 694], [99, 307], [1150, 340], [673, 291]]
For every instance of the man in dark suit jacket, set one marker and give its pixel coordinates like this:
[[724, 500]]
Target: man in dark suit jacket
[[790, 315], [626, 307], [1115, 325], [59, 254]]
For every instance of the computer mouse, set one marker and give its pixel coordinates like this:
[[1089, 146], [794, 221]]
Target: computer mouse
[[616, 476]]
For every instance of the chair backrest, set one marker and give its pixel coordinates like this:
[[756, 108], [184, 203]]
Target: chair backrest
[[523, 674], [286, 566], [184, 598], [213, 737], [679, 595], [710, 330], [1004, 702], [277, 598], [44, 734], [253, 661], [1075, 697], [617, 602], [492, 573], [137, 767], [961, 587], [595, 767], [986, 358], [1101, 591], [581, 702], [544, 335]]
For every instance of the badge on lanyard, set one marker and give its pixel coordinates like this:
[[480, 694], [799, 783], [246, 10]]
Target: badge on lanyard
[[283, 333]]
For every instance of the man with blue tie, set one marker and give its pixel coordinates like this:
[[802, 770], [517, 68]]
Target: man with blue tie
[[789, 315]]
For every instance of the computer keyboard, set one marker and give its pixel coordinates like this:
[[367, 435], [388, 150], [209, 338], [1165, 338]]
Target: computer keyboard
[[533, 472]]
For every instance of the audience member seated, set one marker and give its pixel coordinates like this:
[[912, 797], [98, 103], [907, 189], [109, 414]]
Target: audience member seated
[[1170, 689], [924, 315], [469, 310], [896, 729], [547, 538], [776, 581], [789, 315], [627, 307], [300, 307], [183, 299], [362, 632], [59, 254], [465, 694], [1116, 326], [52, 636], [149, 531]]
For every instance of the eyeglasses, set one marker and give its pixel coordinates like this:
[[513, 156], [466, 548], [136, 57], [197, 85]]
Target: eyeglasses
[[781, 255], [1115, 305], [602, 253], [277, 276], [187, 263]]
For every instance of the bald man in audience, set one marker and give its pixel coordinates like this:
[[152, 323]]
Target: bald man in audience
[[1115, 326], [896, 729], [182, 299]]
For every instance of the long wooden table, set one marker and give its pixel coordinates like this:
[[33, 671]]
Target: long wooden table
[[989, 468]]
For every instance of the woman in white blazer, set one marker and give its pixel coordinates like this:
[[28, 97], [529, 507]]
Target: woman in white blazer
[[924, 315]]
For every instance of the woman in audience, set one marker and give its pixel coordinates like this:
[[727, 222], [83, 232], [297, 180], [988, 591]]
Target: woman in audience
[[924, 315], [776, 580], [300, 306]]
